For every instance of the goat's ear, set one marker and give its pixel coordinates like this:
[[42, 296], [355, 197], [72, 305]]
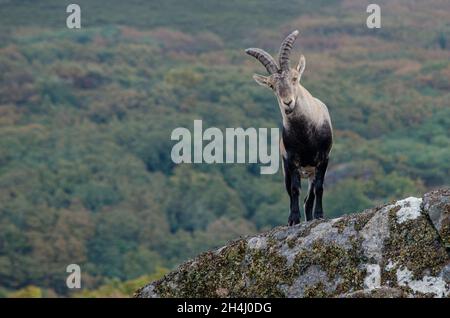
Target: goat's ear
[[261, 80], [301, 66]]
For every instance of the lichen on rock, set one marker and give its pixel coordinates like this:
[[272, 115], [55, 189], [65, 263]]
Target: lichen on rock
[[395, 250]]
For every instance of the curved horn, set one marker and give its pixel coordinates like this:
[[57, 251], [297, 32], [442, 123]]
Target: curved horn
[[265, 58], [285, 50]]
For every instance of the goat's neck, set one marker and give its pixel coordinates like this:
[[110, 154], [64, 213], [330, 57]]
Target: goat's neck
[[303, 107]]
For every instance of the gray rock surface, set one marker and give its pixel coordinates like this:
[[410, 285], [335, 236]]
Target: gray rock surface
[[395, 250], [437, 205]]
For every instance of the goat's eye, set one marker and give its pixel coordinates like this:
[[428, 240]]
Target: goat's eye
[[294, 79]]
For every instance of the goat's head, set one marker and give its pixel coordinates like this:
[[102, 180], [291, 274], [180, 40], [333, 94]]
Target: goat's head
[[282, 79]]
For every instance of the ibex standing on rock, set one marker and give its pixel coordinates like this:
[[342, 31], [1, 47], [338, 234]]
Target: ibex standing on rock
[[307, 133]]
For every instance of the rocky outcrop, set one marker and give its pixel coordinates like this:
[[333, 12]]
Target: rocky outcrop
[[395, 250]]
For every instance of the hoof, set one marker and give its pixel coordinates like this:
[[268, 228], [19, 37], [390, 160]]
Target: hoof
[[293, 220], [319, 217]]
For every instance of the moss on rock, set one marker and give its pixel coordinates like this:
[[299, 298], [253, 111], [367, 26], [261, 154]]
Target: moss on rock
[[389, 251], [414, 244]]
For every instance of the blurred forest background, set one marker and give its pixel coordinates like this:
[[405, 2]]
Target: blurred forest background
[[86, 117]]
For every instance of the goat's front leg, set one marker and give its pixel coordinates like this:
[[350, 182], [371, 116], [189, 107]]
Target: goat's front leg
[[318, 188], [292, 181]]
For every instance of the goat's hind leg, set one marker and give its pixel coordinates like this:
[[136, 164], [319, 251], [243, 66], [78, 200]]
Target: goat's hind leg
[[309, 200], [318, 189]]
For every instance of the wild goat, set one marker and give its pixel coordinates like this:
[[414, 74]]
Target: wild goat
[[307, 132]]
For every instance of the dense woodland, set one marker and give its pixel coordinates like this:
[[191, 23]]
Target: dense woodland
[[86, 117]]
